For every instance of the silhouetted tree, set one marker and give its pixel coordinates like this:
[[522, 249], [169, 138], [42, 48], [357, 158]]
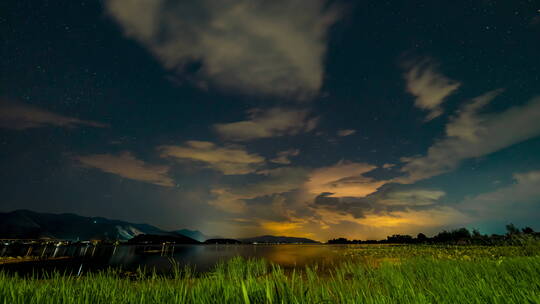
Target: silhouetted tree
[[339, 241], [511, 229], [479, 238], [527, 230], [421, 237], [400, 239], [456, 236], [461, 234]]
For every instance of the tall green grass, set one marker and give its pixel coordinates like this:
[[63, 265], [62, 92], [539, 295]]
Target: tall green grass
[[414, 279]]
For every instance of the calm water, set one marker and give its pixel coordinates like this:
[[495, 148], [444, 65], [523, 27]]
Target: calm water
[[202, 257]]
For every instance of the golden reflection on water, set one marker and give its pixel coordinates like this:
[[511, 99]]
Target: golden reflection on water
[[297, 255], [323, 256], [301, 255]]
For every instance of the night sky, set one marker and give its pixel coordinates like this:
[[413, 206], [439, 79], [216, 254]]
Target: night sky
[[302, 118]]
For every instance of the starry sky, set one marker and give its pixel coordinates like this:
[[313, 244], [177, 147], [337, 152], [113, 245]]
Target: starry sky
[[306, 118]]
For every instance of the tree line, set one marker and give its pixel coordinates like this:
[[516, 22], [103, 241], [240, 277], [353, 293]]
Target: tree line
[[456, 236]]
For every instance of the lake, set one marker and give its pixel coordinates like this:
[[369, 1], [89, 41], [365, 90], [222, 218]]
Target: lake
[[202, 257]]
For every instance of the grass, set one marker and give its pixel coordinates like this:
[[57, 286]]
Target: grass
[[371, 274]]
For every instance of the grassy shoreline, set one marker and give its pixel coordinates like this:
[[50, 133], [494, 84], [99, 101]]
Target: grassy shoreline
[[413, 274], [15, 260]]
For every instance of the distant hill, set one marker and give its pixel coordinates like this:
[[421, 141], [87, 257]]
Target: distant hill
[[29, 224], [195, 234], [26, 224], [160, 239], [271, 239], [222, 241]]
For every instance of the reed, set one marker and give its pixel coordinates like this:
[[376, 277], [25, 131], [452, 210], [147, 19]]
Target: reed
[[406, 274]]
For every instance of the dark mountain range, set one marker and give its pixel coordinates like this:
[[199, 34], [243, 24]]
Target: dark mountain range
[[160, 239], [271, 239], [196, 235], [27, 224]]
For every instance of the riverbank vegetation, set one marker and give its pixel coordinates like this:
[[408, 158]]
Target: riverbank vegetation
[[462, 236], [367, 274]]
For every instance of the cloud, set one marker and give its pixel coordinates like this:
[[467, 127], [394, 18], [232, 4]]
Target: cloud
[[276, 181], [268, 47], [438, 216], [345, 132], [127, 166], [283, 156], [386, 212], [328, 223], [291, 192], [288, 200], [343, 179], [387, 199], [227, 201], [291, 227], [429, 86], [410, 197], [21, 116], [229, 160], [517, 201], [470, 134], [272, 122], [401, 221], [374, 209]]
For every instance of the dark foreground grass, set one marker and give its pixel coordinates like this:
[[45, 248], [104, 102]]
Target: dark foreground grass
[[417, 279]]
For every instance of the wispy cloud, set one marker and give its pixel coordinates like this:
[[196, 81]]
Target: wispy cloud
[[283, 156], [19, 116], [128, 166], [267, 123], [471, 134], [268, 47], [410, 197], [409, 219], [430, 87], [346, 132], [230, 159], [343, 179], [515, 202]]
